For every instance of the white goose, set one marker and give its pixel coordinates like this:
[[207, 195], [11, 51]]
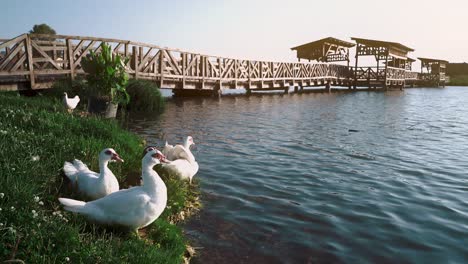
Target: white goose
[[90, 183], [179, 151], [133, 208], [70, 103]]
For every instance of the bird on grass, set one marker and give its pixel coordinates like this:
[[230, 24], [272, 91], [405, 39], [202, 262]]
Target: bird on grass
[[70, 103], [89, 183], [132, 208]]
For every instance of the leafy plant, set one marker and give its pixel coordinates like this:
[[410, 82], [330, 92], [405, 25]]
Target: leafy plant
[[106, 75]]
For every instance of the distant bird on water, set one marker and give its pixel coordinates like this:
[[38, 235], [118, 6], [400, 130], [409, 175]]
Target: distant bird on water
[[70, 103]]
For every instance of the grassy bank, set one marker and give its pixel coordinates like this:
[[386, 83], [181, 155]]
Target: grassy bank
[[36, 137], [458, 80]]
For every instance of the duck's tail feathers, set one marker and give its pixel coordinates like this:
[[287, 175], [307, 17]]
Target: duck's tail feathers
[[72, 205], [80, 166], [70, 171]]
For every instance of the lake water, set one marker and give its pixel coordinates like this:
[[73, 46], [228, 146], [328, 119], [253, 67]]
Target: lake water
[[364, 177]]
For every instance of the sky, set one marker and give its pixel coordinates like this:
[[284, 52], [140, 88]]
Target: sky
[[251, 29]]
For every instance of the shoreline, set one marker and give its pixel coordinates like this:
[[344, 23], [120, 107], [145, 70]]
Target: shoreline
[[36, 137]]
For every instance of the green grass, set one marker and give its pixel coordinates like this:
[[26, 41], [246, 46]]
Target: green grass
[[36, 137], [458, 80]]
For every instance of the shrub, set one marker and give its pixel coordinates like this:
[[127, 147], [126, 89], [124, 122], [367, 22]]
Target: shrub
[[106, 75], [75, 87], [145, 96]]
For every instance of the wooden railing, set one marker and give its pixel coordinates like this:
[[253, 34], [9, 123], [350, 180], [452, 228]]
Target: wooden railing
[[35, 57], [40, 58], [369, 73], [396, 73], [409, 75]]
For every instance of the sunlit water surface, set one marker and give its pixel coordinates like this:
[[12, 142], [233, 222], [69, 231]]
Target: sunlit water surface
[[366, 177]]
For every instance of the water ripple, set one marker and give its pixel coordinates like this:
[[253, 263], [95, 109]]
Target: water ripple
[[326, 178]]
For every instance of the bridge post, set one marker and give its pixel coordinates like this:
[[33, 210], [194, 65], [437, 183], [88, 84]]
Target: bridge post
[[71, 59], [135, 60], [29, 53], [217, 93], [328, 87]]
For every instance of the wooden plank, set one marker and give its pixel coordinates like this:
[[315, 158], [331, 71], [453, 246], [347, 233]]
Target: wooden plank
[[30, 61], [11, 56], [71, 59], [135, 60], [144, 59], [154, 60], [161, 68], [19, 63], [45, 55], [14, 73], [173, 61], [13, 40], [83, 53]]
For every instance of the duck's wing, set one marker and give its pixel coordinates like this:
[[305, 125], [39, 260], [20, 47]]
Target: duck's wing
[[180, 152], [167, 150], [119, 207], [77, 169], [80, 166]]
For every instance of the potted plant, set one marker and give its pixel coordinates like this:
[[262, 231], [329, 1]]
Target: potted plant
[[107, 78]]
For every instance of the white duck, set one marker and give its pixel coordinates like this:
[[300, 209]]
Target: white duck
[[183, 162], [90, 183], [184, 169], [70, 103], [179, 151], [133, 208]]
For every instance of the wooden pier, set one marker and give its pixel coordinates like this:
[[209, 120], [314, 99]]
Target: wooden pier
[[33, 61]]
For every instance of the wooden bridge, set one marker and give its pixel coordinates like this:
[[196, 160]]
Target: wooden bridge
[[34, 61]]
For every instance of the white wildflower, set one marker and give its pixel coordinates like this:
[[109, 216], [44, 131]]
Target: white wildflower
[[67, 259], [11, 229], [35, 214], [3, 132], [35, 158], [1, 224], [2, 195], [36, 199], [53, 245], [41, 203], [13, 169], [12, 208]]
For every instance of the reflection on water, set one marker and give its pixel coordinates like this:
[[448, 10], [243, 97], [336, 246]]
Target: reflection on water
[[363, 177]]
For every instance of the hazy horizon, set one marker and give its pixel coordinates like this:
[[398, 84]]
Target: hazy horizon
[[260, 30]]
